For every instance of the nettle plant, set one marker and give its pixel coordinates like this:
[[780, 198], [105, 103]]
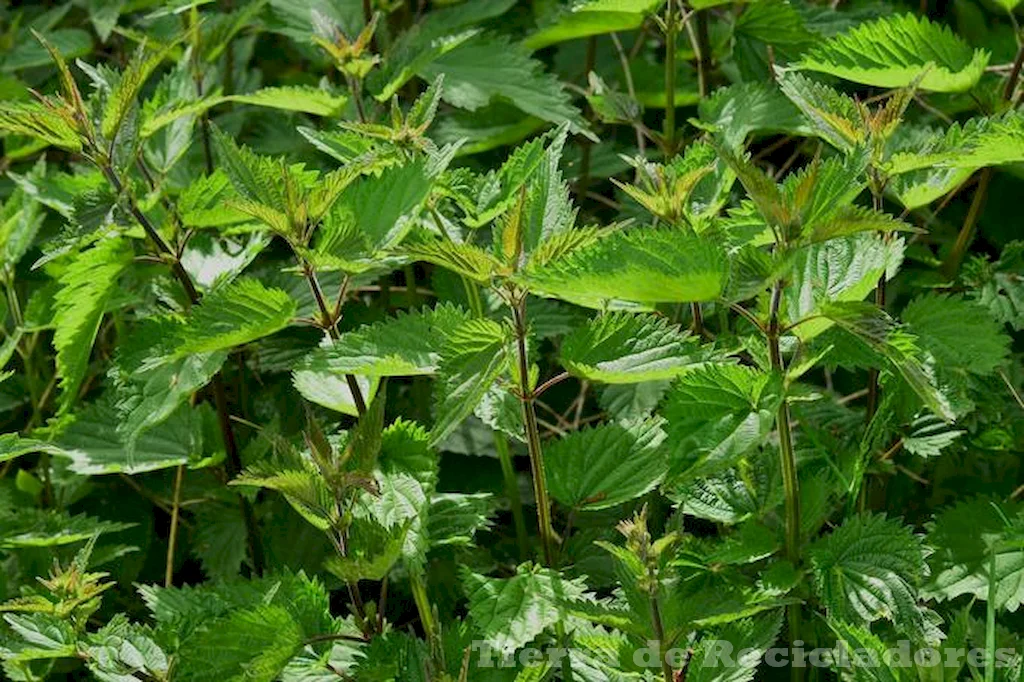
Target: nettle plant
[[380, 398]]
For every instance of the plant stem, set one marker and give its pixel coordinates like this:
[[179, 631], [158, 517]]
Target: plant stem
[[172, 541], [659, 632], [873, 374], [426, 612], [233, 459], [951, 265], [790, 478], [703, 53], [990, 619], [330, 323], [540, 487], [670, 78], [515, 501]]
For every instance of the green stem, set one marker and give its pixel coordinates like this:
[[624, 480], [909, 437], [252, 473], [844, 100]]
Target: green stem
[[426, 612], [951, 265], [670, 78], [540, 487], [233, 459], [330, 323], [790, 478], [172, 541], [990, 619], [515, 501], [659, 632]]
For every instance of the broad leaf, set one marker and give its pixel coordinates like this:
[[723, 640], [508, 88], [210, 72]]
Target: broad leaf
[[715, 415], [239, 313], [508, 613], [86, 286], [869, 568], [647, 265], [621, 348], [605, 465], [893, 52]]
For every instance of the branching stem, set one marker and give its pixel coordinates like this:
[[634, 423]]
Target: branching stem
[[540, 487]]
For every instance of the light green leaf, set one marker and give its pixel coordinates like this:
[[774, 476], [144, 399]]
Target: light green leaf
[[883, 335], [484, 69], [622, 348], [476, 354], [508, 613], [304, 98], [85, 287], [838, 270], [939, 322], [647, 265], [605, 465], [594, 17], [716, 414], [236, 314], [893, 52], [407, 345]]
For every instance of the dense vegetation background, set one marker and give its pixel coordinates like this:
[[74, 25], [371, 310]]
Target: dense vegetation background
[[381, 339]]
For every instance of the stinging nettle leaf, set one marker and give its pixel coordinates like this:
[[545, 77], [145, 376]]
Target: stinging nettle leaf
[[606, 465], [236, 314], [623, 348], [86, 286], [893, 52], [407, 345], [646, 265]]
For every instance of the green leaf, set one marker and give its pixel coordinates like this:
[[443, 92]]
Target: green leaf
[[476, 354], [716, 414], [236, 314], [508, 613], [384, 206], [304, 98], [120, 650], [647, 265], [893, 52], [964, 536], [29, 527], [331, 390], [749, 639], [85, 288], [736, 111], [838, 270], [594, 17], [869, 568], [606, 465], [939, 321], [464, 259], [484, 69], [455, 518], [884, 336], [407, 345], [39, 122], [835, 117], [622, 348]]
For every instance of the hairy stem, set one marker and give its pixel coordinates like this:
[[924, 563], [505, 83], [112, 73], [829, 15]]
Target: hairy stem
[[330, 323], [233, 459], [790, 479], [873, 374], [515, 501], [425, 610], [172, 541], [540, 486], [670, 78], [659, 632], [951, 265]]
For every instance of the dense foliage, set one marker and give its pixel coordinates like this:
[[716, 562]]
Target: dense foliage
[[493, 340]]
